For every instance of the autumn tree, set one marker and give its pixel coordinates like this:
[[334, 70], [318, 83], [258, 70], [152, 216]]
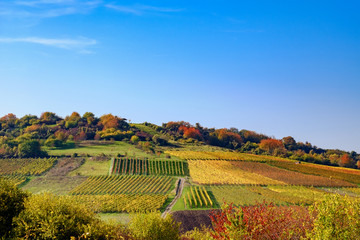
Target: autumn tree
[[111, 121], [271, 145], [49, 118], [8, 121], [72, 121], [190, 132], [345, 161], [174, 126], [225, 138]]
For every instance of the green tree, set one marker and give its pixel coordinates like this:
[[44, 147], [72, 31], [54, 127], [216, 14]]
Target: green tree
[[31, 148], [11, 204]]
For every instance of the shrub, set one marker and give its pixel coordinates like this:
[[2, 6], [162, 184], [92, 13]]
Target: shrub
[[11, 204], [152, 226], [337, 217], [47, 216], [261, 221]]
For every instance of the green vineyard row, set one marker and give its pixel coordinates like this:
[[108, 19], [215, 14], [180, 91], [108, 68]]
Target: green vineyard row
[[197, 197], [137, 184], [133, 166]]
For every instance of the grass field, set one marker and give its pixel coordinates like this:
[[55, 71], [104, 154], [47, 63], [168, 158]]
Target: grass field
[[122, 218], [59, 185], [92, 167]]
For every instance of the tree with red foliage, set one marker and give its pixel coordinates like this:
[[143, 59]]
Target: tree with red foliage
[[261, 221], [270, 145], [190, 132], [174, 126], [345, 161]]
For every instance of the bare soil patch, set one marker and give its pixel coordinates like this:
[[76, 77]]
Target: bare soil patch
[[64, 166], [192, 219]]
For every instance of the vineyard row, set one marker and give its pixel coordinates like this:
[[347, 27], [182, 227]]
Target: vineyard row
[[133, 166], [197, 197], [100, 185]]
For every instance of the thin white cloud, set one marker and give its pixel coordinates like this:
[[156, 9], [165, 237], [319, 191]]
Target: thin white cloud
[[47, 8], [73, 44], [124, 9], [141, 9]]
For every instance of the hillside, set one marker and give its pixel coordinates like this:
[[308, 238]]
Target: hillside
[[148, 167]]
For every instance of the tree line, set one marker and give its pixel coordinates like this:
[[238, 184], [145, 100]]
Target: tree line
[[25, 136]]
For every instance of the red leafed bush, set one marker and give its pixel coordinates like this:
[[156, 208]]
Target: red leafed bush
[[262, 221]]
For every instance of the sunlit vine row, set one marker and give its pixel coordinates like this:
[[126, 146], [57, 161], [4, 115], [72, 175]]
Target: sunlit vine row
[[197, 197], [99, 185], [25, 166], [122, 202]]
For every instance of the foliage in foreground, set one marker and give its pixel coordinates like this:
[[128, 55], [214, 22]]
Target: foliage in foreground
[[336, 217], [11, 204], [152, 226], [47, 216], [262, 221]]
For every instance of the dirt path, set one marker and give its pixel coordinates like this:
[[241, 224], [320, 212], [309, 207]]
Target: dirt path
[[179, 189]]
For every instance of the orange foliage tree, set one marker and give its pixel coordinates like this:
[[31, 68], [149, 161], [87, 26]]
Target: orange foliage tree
[[111, 121], [271, 145], [345, 161], [190, 132]]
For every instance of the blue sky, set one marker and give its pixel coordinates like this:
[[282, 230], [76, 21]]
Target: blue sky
[[277, 67]]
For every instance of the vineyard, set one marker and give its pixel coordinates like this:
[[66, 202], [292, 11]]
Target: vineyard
[[14, 179], [25, 166], [121, 202], [114, 185], [197, 197], [350, 175], [132, 166], [229, 156], [281, 195], [289, 177], [225, 172]]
